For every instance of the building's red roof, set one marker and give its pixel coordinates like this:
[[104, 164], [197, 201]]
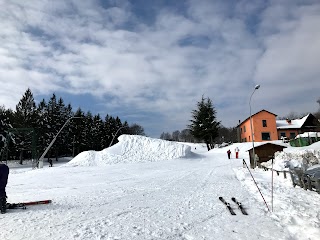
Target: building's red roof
[[263, 110]]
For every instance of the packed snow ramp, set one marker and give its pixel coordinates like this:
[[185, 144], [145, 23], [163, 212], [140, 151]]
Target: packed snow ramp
[[133, 148]]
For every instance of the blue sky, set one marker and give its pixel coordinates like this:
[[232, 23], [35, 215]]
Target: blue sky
[[149, 62]]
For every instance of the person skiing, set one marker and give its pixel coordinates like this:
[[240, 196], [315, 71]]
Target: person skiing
[[237, 152], [229, 153], [4, 173]]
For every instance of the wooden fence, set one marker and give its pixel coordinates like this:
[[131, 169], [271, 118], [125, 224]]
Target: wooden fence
[[299, 178]]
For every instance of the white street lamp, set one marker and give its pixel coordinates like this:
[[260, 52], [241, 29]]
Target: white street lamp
[[252, 134], [40, 160]]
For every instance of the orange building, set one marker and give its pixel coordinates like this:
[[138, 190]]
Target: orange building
[[266, 128]]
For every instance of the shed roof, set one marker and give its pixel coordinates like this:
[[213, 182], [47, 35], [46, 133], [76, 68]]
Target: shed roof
[[259, 144]]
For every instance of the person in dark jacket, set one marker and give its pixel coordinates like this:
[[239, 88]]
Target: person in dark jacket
[[4, 173], [229, 153]]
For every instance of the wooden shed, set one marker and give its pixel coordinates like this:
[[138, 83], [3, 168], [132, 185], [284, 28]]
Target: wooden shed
[[264, 151]]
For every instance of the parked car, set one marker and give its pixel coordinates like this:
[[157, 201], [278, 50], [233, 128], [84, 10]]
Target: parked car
[[308, 179], [285, 139], [313, 171], [224, 144], [312, 177]]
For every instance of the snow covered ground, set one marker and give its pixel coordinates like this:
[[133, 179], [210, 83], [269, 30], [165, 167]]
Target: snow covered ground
[[145, 188]]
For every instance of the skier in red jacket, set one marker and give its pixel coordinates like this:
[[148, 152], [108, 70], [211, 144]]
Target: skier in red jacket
[[237, 152]]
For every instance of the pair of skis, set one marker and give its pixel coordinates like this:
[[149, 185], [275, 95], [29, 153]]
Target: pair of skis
[[244, 212], [23, 205]]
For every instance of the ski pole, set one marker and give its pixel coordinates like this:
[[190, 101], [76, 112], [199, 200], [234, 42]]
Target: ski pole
[[244, 162]]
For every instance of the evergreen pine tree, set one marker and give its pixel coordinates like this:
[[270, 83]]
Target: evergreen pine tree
[[204, 125], [5, 134], [69, 135], [42, 127], [77, 128], [109, 129], [54, 124], [98, 133], [118, 129], [63, 115], [25, 117], [87, 134]]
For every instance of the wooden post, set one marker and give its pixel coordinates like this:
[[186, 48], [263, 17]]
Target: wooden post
[[293, 179], [272, 185], [318, 185], [309, 183]]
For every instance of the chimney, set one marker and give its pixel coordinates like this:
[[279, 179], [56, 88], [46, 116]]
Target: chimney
[[288, 120]]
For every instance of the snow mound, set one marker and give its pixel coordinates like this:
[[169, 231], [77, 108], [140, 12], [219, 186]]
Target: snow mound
[[299, 157], [132, 148]]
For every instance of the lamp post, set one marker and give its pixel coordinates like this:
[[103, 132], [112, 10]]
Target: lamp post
[[40, 160], [252, 134]]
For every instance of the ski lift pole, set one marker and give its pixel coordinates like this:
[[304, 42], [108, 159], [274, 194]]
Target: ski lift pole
[[244, 162], [116, 134], [40, 160]]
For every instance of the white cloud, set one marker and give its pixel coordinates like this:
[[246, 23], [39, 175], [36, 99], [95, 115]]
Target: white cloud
[[288, 68], [80, 47]]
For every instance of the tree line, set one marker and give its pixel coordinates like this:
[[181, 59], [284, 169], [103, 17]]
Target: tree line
[[225, 134], [294, 115], [26, 132], [205, 128]]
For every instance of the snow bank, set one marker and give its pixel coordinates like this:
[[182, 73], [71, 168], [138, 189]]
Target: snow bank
[[308, 134], [159, 200], [296, 157], [295, 209], [132, 148]]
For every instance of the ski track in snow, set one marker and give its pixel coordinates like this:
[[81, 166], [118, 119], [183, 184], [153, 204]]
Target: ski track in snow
[[175, 204], [168, 199]]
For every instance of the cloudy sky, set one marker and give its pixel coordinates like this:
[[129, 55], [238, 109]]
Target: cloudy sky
[[150, 61]]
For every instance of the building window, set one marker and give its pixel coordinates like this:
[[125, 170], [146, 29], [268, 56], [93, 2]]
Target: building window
[[282, 134], [264, 123], [241, 130], [292, 135], [265, 136], [244, 128]]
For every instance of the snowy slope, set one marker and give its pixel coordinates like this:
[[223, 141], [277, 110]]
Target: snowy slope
[[133, 149], [161, 190]]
